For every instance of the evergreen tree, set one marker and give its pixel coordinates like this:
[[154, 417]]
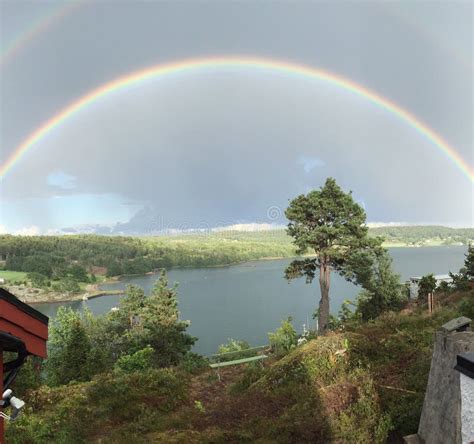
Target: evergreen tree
[[154, 321], [469, 263], [74, 364], [68, 349], [329, 223], [382, 289], [426, 286]]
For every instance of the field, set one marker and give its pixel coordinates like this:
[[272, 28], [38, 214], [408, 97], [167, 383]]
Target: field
[[12, 276]]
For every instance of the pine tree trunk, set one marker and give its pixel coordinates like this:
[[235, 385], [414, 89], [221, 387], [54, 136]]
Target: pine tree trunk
[[324, 282]]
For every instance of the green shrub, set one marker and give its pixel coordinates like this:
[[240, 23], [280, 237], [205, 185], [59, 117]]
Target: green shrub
[[67, 285], [76, 413], [252, 373], [38, 280], [466, 307], [138, 361], [126, 396], [233, 345], [363, 420], [284, 338], [193, 363]]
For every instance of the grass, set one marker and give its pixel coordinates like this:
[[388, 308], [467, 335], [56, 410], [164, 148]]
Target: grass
[[11, 276]]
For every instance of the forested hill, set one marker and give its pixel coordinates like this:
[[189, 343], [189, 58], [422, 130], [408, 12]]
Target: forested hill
[[53, 255], [424, 235]]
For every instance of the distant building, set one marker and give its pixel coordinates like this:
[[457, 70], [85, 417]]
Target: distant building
[[415, 281]]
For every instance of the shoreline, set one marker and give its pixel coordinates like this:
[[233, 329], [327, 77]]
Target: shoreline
[[34, 296]]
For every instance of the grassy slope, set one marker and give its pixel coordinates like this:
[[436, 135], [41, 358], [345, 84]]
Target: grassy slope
[[12, 275], [355, 385]]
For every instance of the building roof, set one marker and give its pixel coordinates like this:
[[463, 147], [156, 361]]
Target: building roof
[[438, 277], [7, 296]]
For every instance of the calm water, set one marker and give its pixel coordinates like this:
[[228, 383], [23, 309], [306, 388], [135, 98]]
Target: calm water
[[249, 300]]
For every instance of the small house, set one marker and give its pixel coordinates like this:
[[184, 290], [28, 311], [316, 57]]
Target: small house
[[415, 281]]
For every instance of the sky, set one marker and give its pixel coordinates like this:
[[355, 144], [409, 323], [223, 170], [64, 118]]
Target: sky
[[231, 145]]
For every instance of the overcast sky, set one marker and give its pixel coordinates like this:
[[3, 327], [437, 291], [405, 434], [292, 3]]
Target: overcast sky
[[222, 146]]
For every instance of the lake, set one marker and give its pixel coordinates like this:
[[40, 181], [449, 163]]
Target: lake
[[247, 301]]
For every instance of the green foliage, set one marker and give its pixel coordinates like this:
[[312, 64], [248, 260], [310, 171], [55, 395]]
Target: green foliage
[[355, 385], [29, 376], [387, 347], [460, 281], [69, 349], [284, 338], [77, 413], [74, 364], [424, 235], [346, 314], [330, 224], [199, 406], [153, 321], [67, 285], [469, 263], [143, 332], [38, 280], [78, 273], [138, 361], [233, 345], [193, 363], [382, 290], [58, 257], [363, 421], [252, 373], [443, 287], [426, 285], [466, 306]]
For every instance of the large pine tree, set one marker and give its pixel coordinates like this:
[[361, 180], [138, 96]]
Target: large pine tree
[[328, 223]]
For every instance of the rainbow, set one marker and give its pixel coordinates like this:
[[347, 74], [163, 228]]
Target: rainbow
[[36, 28], [192, 65]]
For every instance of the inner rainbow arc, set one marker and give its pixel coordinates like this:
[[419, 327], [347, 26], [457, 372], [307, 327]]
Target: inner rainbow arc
[[229, 62]]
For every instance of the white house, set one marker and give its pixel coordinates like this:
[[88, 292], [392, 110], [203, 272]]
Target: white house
[[414, 282]]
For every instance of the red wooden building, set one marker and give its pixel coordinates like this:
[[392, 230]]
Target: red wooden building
[[24, 331]]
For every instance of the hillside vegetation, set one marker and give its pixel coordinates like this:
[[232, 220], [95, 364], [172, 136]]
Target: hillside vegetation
[[52, 255], [362, 383]]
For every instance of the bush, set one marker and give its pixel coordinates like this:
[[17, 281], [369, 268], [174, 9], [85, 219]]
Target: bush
[[284, 338], [77, 413], [252, 373], [38, 280], [138, 361], [466, 307], [125, 396], [67, 285], [193, 363], [68, 349], [233, 345]]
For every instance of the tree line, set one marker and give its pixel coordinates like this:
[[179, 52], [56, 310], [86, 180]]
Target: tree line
[[79, 257]]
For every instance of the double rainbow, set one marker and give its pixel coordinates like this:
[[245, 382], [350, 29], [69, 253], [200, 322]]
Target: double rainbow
[[192, 65]]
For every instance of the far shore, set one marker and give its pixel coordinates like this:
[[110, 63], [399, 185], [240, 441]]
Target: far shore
[[35, 296]]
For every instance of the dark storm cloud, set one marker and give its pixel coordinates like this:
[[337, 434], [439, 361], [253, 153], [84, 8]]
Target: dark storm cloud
[[215, 148]]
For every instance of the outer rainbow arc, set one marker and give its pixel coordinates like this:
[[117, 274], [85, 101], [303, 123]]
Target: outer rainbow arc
[[36, 29], [249, 62]]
